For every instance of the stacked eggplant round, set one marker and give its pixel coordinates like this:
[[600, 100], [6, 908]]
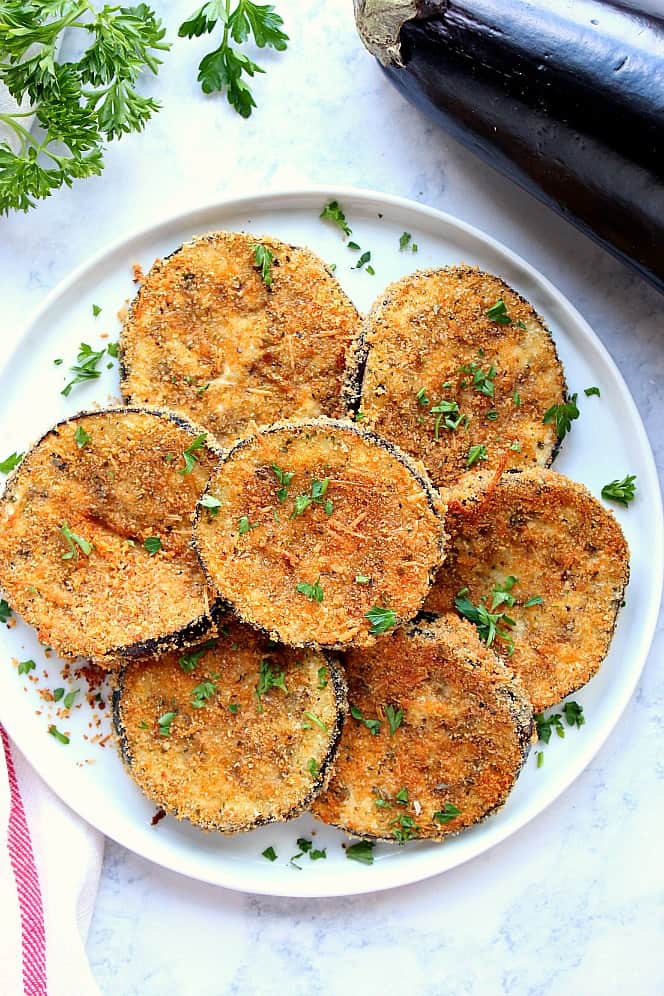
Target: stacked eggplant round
[[275, 560]]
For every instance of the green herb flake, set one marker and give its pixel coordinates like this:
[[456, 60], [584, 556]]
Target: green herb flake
[[332, 212], [317, 722], [85, 369], [244, 525], [81, 437], [113, 349], [202, 693], [516, 398], [404, 241], [563, 415], [422, 397], [269, 854], [284, 478], [189, 455], [5, 611], [60, 737], [233, 707], [211, 504], [540, 758], [354, 246], [164, 723], [152, 544], [547, 724], [362, 579], [394, 718], [498, 313], [589, 391], [70, 697], [370, 270], [448, 813], [96, 310], [476, 453], [489, 625], [573, 713], [267, 679], [621, 491], [322, 677], [372, 725], [312, 591], [75, 543], [364, 258], [533, 600], [58, 693], [189, 661], [381, 619], [362, 851], [263, 260], [312, 767], [483, 380], [8, 464], [25, 667]]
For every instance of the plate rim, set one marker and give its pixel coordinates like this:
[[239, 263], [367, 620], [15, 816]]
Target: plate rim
[[397, 876]]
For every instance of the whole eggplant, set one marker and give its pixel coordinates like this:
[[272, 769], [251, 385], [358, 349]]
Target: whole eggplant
[[566, 97]]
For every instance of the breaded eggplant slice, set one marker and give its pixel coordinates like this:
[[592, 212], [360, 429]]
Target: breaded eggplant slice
[[451, 360], [208, 336], [325, 535], [238, 733], [563, 548], [95, 535], [438, 732]]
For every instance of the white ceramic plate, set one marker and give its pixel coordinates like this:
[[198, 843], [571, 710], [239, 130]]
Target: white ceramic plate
[[607, 442]]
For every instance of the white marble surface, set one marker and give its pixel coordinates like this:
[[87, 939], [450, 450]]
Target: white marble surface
[[576, 899]]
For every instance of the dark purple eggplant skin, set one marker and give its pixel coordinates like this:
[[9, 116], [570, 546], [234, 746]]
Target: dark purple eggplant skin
[[565, 97]]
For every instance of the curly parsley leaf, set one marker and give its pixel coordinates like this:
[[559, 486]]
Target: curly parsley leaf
[[78, 105], [222, 70], [333, 212], [563, 415], [621, 491], [381, 619], [312, 591]]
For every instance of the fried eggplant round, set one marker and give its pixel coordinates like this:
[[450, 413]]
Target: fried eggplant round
[[458, 370], [321, 534], [235, 734], [539, 552], [215, 336], [438, 732], [95, 535]]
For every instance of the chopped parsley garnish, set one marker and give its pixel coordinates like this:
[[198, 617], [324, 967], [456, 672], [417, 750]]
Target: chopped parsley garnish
[[394, 718], [364, 258], [362, 579], [316, 721], [362, 851], [443, 413], [263, 259], [5, 611], [233, 707], [164, 723], [448, 813], [404, 828], [152, 544], [189, 455], [332, 212], [422, 397], [498, 313], [354, 245], [540, 758], [312, 767], [589, 391], [267, 679], [534, 600], [189, 661], [269, 853], [307, 847], [96, 310], [202, 693], [372, 725], [81, 437], [489, 624], [25, 667], [501, 593], [212, 505], [359, 417], [547, 724], [113, 350], [563, 415], [312, 591], [405, 241], [317, 496], [244, 525], [69, 698], [475, 453], [370, 270], [284, 478], [516, 398], [10, 462], [322, 677], [621, 491], [74, 541], [381, 619], [57, 694], [402, 797], [55, 732], [482, 380], [87, 361], [573, 713]]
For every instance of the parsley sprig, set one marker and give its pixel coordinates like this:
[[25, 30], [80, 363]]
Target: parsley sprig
[[223, 69], [563, 415], [79, 105], [621, 491]]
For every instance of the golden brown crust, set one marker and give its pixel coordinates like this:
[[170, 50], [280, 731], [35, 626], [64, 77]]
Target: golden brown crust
[[231, 769], [119, 485], [419, 334], [561, 544], [379, 520], [207, 337], [464, 735]]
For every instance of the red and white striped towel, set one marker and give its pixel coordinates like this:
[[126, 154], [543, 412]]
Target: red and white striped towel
[[50, 862]]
